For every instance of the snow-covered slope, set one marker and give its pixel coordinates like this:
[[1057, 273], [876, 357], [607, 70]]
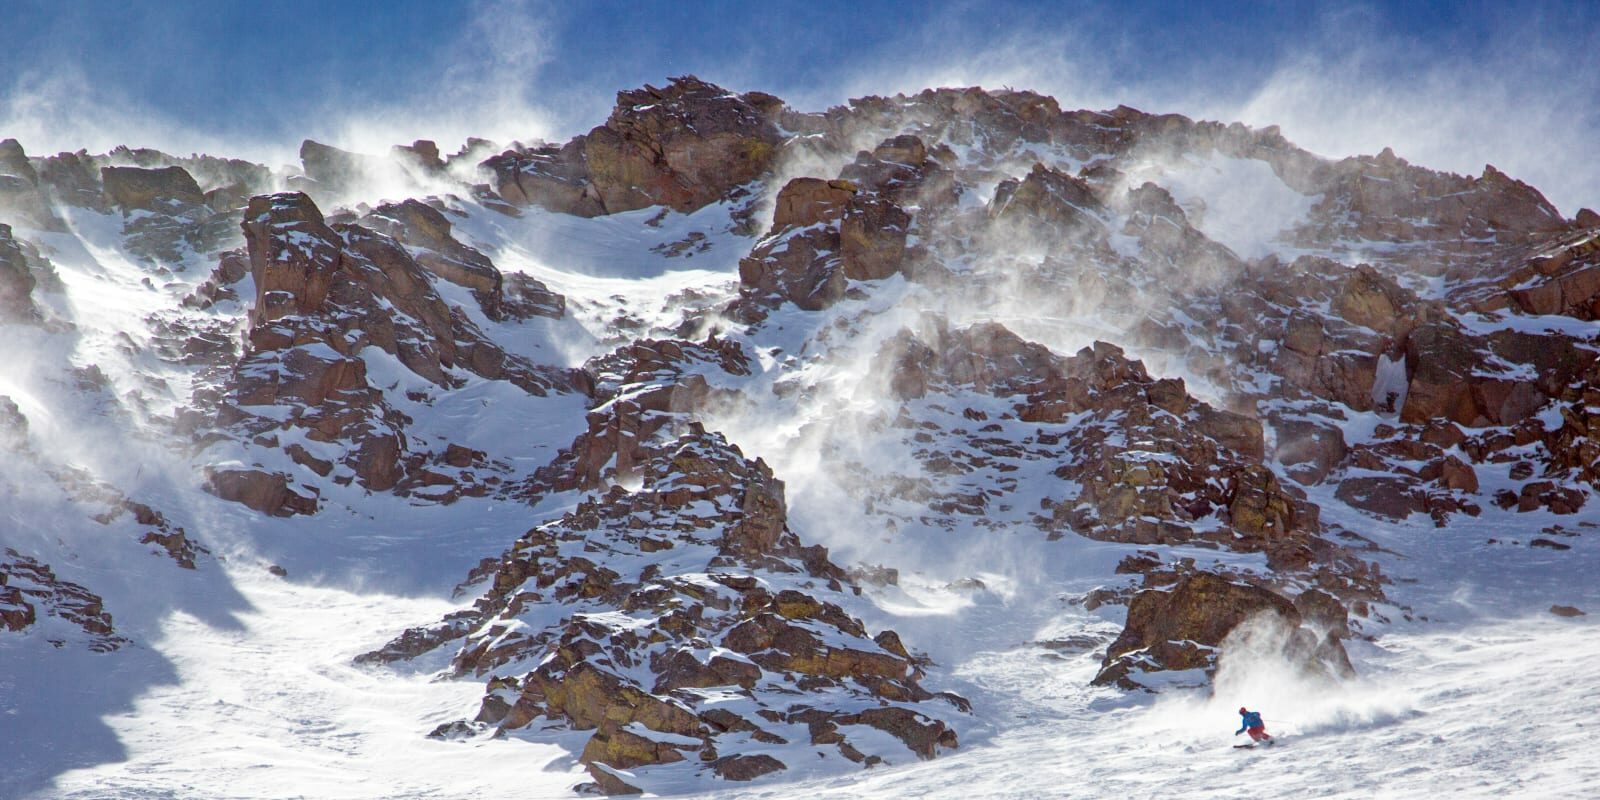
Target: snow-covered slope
[[294, 473]]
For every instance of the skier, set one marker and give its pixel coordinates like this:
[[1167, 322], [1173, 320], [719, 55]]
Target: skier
[[1252, 722]]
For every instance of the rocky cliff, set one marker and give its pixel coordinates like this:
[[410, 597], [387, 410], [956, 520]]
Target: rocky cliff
[[951, 318]]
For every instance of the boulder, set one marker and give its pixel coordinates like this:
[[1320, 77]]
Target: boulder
[[1309, 450], [1183, 628], [267, 492], [165, 189], [803, 202], [746, 768], [683, 146]]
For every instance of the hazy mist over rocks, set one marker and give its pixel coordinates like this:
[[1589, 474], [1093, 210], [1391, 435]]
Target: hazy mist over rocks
[[1450, 87], [986, 400]]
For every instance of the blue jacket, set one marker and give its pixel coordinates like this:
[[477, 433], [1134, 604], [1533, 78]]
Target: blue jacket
[[1252, 719]]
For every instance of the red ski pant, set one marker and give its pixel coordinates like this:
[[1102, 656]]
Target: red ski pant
[[1259, 733]]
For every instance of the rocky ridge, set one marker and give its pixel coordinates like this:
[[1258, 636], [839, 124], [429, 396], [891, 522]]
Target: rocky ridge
[[1417, 354], [681, 620]]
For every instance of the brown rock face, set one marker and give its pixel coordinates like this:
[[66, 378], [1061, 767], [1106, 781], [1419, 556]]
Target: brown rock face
[[267, 492], [24, 199], [550, 177], [1385, 198], [872, 238], [1048, 204], [30, 590], [1310, 450], [16, 281], [425, 231], [1370, 300], [901, 170], [736, 603], [1566, 281], [73, 179], [1441, 360], [293, 255], [1192, 462], [1180, 254], [824, 234], [422, 226], [1184, 627], [804, 202], [335, 169], [160, 189], [323, 295], [683, 146], [14, 161], [746, 768], [648, 385]]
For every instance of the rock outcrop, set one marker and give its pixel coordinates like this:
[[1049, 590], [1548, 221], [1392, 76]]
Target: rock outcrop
[[1147, 463], [683, 146], [17, 280], [425, 231], [1186, 626], [24, 198], [681, 620], [163, 189], [826, 233], [324, 294], [30, 593]]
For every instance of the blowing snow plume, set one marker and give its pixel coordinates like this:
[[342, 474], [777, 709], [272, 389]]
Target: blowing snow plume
[[1268, 663]]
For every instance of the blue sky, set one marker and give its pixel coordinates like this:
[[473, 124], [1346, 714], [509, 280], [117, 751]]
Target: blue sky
[[1452, 85]]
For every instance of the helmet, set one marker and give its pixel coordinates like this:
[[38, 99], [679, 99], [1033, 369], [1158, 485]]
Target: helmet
[[1243, 710]]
